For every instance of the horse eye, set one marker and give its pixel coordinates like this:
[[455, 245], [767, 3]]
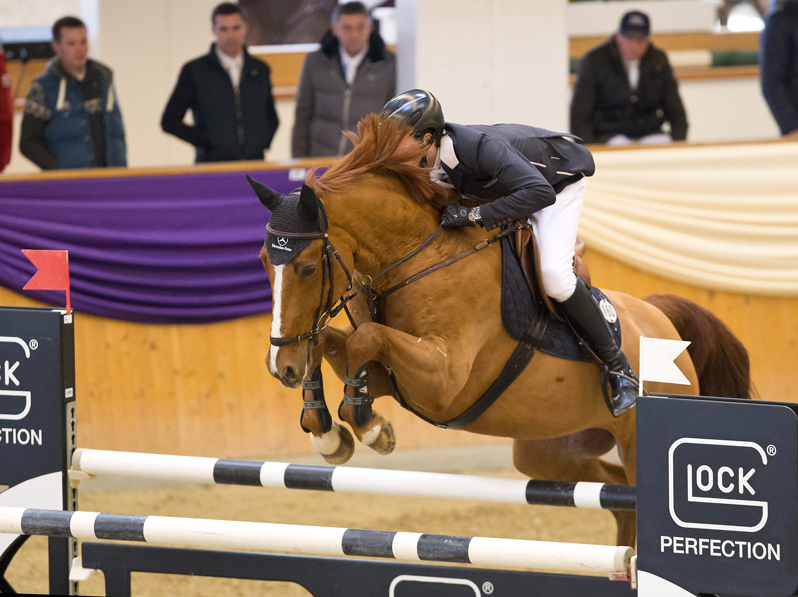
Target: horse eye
[[307, 271]]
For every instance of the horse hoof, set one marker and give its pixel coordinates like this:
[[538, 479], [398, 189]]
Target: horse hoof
[[336, 446], [386, 440]]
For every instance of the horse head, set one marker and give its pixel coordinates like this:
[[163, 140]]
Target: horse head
[[301, 264], [308, 274]]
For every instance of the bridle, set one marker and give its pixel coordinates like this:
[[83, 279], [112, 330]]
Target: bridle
[[326, 310], [329, 308]]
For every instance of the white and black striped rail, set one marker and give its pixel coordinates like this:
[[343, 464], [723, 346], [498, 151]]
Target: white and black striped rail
[[296, 539], [193, 469]]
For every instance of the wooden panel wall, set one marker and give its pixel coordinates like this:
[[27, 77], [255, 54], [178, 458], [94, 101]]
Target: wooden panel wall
[[766, 325], [205, 390], [200, 390]]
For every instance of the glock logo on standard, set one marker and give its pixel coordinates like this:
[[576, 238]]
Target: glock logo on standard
[[717, 484], [14, 403]]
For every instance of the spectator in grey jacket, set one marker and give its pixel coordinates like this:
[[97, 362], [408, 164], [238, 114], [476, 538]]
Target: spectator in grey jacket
[[779, 65], [351, 75]]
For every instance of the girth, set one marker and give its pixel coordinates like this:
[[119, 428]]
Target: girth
[[518, 360]]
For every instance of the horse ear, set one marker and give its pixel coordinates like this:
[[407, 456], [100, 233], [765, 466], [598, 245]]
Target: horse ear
[[308, 204], [270, 199]]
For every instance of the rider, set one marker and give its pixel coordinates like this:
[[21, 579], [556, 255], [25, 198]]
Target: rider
[[514, 172]]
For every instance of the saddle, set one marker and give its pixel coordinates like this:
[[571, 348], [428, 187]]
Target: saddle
[[532, 319], [526, 249], [528, 313]]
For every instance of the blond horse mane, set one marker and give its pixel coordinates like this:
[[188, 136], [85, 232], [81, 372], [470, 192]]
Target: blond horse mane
[[379, 150]]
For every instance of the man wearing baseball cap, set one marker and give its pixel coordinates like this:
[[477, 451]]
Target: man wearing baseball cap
[[625, 91]]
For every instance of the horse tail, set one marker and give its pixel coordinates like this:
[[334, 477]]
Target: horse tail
[[720, 359]]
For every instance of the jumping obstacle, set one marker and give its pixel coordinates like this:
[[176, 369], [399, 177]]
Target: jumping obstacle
[[337, 577], [192, 469], [289, 538], [717, 503]]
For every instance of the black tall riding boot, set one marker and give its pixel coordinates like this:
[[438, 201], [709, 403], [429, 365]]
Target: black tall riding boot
[[586, 318]]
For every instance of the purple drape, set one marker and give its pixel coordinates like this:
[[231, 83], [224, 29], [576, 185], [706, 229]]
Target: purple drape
[[180, 248]]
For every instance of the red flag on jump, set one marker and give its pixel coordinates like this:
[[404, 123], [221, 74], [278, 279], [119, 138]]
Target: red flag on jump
[[52, 274]]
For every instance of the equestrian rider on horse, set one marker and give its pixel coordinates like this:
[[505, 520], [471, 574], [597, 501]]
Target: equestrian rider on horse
[[516, 172]]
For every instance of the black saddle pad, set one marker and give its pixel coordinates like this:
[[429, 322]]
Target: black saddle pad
[[518, 309]]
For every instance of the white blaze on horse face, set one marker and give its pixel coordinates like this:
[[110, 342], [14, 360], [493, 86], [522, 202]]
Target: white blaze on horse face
[[277, 288]]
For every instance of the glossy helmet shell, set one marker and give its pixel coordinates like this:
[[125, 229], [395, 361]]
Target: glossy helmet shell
[[418, 109]]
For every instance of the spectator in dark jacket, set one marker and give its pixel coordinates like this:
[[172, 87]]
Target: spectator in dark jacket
[[779, 65], [229, 93], [71, 117], [626, 91], [353, 74]]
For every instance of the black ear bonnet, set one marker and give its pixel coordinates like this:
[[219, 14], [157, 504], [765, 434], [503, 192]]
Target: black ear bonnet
[[296, 213]]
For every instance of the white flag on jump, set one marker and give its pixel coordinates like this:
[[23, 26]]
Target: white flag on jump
[[656, 360]]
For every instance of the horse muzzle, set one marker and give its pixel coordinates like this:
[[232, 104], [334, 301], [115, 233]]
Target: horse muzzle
[[290, 364]]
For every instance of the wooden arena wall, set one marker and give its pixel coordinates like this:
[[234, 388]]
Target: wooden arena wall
[[205, 389]]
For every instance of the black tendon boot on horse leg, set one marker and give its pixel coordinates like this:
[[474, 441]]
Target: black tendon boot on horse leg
[[332, 441], [586, 318]]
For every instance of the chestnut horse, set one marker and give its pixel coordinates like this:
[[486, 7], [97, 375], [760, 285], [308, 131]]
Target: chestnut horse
[[441, 337]]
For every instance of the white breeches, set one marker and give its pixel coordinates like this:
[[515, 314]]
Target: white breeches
[[555, 229], [653, 139]]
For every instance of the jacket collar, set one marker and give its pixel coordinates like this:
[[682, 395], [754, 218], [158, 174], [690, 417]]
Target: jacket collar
[[215, 59], [615, 52], [55, 67], [376, 46]]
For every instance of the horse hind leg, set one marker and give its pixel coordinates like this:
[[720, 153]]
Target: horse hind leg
[[574, 458]]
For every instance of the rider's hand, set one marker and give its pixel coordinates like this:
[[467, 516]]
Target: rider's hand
[[456, 215]]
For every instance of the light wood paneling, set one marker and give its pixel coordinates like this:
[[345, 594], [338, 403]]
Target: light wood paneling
[[766, 325], [285, 67], [205, 390], [200, 390], [677, 42], [32, 69]]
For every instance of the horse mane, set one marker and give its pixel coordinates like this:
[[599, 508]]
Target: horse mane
[[379, 150]]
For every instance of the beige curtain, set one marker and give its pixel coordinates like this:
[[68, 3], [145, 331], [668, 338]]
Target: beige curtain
[[723, 217]]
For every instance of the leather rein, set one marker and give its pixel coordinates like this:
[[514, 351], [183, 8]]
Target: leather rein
[[328, 308]]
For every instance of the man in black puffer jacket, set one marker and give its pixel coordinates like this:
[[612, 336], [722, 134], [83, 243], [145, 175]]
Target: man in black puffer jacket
[[352, 75], [626, 91], [229, 93]]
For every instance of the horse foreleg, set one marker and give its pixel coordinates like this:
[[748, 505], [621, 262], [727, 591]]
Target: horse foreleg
[[429, 374], [332, 441], [376, 431]]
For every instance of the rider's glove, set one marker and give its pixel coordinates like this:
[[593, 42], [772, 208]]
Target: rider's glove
[[456, 215]]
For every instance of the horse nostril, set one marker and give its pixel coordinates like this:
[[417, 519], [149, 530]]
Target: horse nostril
[[289, 374]]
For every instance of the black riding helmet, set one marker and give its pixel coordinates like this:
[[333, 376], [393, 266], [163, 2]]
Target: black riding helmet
[[419, 109]]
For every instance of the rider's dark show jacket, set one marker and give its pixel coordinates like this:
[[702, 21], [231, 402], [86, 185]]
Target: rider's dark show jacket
[[513, 169]]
